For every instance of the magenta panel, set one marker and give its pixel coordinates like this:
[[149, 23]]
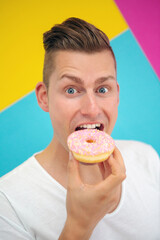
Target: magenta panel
[[143, 18]]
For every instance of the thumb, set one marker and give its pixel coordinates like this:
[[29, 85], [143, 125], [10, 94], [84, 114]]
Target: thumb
[[73, 171]]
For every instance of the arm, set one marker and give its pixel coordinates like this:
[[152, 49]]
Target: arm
[[88, 204]]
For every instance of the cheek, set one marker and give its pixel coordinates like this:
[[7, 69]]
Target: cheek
[[112, 105], [61, 112], [114, 111], [111, 110]]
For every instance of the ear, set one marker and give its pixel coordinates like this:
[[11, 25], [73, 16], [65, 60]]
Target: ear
[[42, 96]]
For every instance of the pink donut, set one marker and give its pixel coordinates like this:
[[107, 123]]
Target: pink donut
[[90, 145]]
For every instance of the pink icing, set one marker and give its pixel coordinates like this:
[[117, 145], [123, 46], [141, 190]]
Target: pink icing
[[102, 142]]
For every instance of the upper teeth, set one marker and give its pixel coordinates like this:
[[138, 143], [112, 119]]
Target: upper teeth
[[90, 125]]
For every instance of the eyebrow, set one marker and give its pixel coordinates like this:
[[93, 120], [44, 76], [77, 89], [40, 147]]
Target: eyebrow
[[80, 81]]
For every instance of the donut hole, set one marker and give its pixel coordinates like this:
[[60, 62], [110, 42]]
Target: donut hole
[[90, 141]]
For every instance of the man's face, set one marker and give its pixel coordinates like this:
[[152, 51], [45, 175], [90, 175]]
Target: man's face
[[83, 93]]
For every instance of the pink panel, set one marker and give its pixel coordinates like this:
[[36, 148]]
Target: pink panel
[[143, 18]]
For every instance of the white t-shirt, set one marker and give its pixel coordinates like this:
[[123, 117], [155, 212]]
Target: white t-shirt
[[32, 203]]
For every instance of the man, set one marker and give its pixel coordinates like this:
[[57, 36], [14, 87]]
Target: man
[[51, 195]]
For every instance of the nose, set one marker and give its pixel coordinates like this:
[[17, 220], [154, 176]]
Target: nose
[[89, 106]]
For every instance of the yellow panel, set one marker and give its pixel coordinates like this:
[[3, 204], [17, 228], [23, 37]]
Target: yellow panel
[[22, 24]]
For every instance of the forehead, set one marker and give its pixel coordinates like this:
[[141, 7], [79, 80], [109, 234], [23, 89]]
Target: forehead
[[88, 67], [81, 61]]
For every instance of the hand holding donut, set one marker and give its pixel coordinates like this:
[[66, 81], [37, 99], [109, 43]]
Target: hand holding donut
[[88, 204]]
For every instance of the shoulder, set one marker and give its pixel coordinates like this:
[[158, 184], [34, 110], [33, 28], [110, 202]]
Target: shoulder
[[17, 176], [141, 156], [137, 148]]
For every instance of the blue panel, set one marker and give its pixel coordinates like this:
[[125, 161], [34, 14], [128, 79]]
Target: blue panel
[[139, 109], [26, 129]]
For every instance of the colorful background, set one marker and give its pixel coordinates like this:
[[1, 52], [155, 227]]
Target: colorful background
[[134, 30]]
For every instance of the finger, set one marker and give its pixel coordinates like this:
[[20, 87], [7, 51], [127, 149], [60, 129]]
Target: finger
[[116, 163], [73, 171], [107, 168], [116, 167], [118, 157], [116, 176], [102, 169]]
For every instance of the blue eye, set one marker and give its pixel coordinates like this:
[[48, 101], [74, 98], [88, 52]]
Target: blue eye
[[103, 90], [71, 90]]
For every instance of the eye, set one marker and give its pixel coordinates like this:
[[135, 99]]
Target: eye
[[103, 90], [71, 90]]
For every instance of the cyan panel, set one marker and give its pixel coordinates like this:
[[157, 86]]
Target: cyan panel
[[25, 129]]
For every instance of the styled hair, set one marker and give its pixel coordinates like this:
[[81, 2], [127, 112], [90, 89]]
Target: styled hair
[[73, 34]]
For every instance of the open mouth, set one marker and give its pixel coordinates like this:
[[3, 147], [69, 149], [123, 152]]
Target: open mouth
[[98, 126]]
